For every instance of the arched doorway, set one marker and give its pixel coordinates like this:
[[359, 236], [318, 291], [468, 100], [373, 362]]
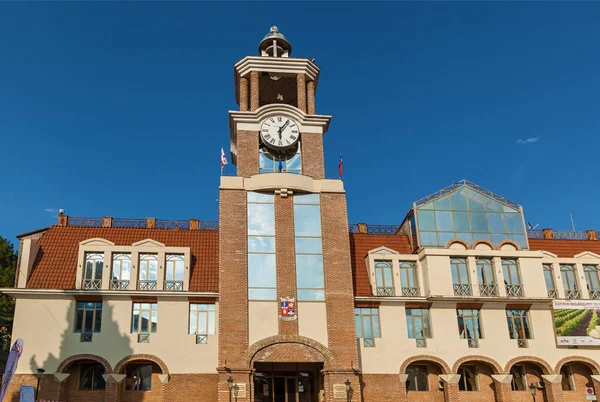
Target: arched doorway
[[423, 379], [476, 380], [85, 381], [525, 376], [577, 377]]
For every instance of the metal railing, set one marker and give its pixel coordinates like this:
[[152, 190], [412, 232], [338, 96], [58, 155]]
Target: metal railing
[[572, 294], [473, 343], [200, 338], [410, 292], [522, 343], [79, 221], [488, 289], [514, 290], [594, 294], [558, 234], [553, 293], [172, 225], [375, 229], [369, 342], [116, 284], [92, 284], [146, 285], [462, 290], [86, 337], [143, 338], [385, 291], [421, 342], [129, 223], [84, 222], [176, 286]]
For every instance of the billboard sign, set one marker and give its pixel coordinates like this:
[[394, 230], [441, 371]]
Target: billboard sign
[[577, 322]]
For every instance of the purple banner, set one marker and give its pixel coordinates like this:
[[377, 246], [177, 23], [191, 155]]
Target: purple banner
[[11, 366]]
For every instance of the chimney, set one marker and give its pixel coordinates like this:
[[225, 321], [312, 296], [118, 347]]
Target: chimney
[[150, 223], [63, 220], [547, 234], [107, 221], [194, 224], [591, 235], [362, 227]]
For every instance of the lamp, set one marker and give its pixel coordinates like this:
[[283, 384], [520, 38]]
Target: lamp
[[39, 374], [532, 390], [230, 385], [348, 389]]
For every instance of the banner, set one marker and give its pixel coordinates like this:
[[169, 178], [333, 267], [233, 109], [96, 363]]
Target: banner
[[11, 365], [577, 322]]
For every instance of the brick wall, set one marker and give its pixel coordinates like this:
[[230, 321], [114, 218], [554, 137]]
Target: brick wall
[[582, 379], [381, 387], [247, 154], [312, 157], [192, 387]]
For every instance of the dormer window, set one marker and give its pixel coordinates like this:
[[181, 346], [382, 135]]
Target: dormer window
[[174, 275], [94, 264], [121, 271], [148, 272]]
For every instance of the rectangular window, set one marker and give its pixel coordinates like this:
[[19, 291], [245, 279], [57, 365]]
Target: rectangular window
[[383, 278], [272, 162], [519, 378], [568, 382], [88, 317], [309, 247], [460, 277], [174, 272], [469, 326], [145, 318], [262, 270], [121, 271], [417, 379], [468, 378], [518, 325], [549, 279], [148, 272], [202, 319], [138, 377], [591, 280], [485, 276], [512, 279], [570, 282], [417, 323], [408, 279], [94, 264], [367, 325]]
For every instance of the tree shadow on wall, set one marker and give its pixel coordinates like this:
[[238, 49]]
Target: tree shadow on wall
[[113, 343]]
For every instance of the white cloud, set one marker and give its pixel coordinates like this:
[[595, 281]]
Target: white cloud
[[529, 140], [51, 210]]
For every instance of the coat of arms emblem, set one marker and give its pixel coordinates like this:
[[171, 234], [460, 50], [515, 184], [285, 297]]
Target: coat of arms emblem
[[288, 308]]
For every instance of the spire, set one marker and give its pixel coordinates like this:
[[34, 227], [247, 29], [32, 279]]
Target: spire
[[274, 44]]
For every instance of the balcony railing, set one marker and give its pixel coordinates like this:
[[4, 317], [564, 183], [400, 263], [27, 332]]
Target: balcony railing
[[143, 338], [116, 284], [522, 343], [594, 294], [201, 338], [421, 342], [410, 292], [572, 294], [473, 343], [514, 290], [86, 337], [92, 284], [176, 286], [462, 290], [146, 285], [369, 342], [552, 293], [385, 291], [488, 289]]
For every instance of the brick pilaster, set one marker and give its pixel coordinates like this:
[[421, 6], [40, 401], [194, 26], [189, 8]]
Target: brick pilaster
[[553, 387], [254, 91], [243, 94], [312, 155], [502, 387], [247, 156], [301, 87], [286, 257], [310, 97]]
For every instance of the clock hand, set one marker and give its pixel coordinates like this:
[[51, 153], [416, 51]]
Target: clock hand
[[284, 126]]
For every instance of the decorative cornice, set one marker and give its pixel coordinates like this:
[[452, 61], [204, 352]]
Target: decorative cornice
[[70, 293]]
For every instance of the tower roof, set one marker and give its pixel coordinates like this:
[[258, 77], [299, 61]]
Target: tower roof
[[267, 45]]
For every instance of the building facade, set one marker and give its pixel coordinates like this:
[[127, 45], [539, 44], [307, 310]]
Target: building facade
[[282, 300]]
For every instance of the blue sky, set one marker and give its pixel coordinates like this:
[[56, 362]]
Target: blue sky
[[121, 108]]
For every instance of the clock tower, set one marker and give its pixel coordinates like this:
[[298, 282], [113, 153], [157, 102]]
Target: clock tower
[[286, 319]]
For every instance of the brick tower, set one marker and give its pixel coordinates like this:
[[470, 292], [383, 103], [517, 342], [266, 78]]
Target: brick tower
[[286, 319]]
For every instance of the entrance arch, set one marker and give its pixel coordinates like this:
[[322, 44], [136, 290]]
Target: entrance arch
[[303, 348]]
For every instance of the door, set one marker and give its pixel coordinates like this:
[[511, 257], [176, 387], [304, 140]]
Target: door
[[285, 389]]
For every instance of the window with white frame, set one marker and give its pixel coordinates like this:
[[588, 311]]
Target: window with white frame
[[569, 280], [174, 272], [262, 270], [460, 277], [591, 280], [549, 279], [121, 271], [512, 279], [94, 264], [383, 278], [518, 326], [202, 321], [417, 325], [485, 276], [88, 319], [408, 278], [469, 326], [144, 320], [148, 272], [367, 325]]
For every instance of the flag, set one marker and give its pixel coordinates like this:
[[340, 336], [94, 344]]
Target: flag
[[341, 166], [280, 167], [11, 365], [223, 160]]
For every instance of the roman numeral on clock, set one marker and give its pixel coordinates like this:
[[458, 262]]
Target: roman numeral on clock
[[272, 120], [267, 136], [293, 137], [279, 119], [272, 140]]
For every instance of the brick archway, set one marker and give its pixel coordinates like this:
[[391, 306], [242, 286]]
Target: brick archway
[[131, 358], [457, 240], [497, 368], [255, 348], [546, 368], [592, 364], [67, 362], [443, 365], [483, 241], [508, 241]]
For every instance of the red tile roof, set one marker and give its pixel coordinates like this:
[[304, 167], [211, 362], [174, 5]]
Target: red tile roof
[[55, 266], [565, 248], [360, 245]]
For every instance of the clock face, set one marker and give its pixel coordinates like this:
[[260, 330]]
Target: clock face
[[279, 132]]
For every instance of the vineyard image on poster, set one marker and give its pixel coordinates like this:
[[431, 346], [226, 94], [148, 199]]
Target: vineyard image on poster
[[577, 322]]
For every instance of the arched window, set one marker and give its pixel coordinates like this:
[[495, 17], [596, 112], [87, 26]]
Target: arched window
[[468, 378], [90, 376], [289, 161]]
